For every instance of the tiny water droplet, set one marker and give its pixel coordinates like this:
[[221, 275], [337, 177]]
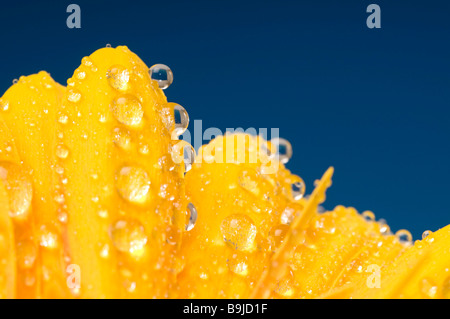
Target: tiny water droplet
[[368, 216], [298, 187], [48, 237], [183, 152], [181, 119], [26, 254], [162, 74]]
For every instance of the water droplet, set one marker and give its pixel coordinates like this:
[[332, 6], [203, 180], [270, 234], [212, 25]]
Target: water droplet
[[239, 231], [287, 216], [181, 119], [108, 45], [283, 149], [285, 287], [73, 95], [298, 187], [133, 184], [426, 233], [368, 216], [238, 264], [404, 236], [19, 187], [173, 235], [122, 138], [192, 211], [62, 217], [128, 110], [129, 236], [118, 77], [104, 251], [63, 119], [48, 237], [103, 213], [183, 152], [248, 180], [162, 74], [4, 105], [26, 254], [277, 235], [15, 81], [428, 288], [80, 74], [62, 151]]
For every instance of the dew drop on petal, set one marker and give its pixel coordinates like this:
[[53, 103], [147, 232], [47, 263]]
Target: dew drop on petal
[[192, 212], [26, 253], [127, 110], [283, 149], [404, 236], [239, 231], [426, 233], [118, 77], [128, 236], [162, 74], [298, 187], [133, 184], [19, 187]]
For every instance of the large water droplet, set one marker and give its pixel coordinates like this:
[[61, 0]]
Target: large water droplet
[[19, 187], [192, 211], [133, 184], [129, 236], [239, 231], [181, 118], [283, 149], [118, 77], [128, 110], [162, 74], [183, 152]]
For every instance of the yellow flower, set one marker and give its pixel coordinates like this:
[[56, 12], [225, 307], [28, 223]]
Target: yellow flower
[[95, 202]]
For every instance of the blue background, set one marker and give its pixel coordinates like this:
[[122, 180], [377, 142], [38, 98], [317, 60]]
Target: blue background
[[373, 103]]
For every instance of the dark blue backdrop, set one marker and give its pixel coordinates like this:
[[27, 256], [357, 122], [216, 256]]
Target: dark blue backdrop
[[374, 103]]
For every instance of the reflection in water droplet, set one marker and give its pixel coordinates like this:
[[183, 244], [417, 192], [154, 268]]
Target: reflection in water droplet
[[426, 233], [368, 216], [238, 264], [73, 95], [192, 211], [404, 236], [298, 187], [19, 187], [129, 236], [283, 149], [48, 237], [239, 231], [122, 138], [118, 77], [183, 152], [181, 118], [128, 110], [162, 74], [133, 184]]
